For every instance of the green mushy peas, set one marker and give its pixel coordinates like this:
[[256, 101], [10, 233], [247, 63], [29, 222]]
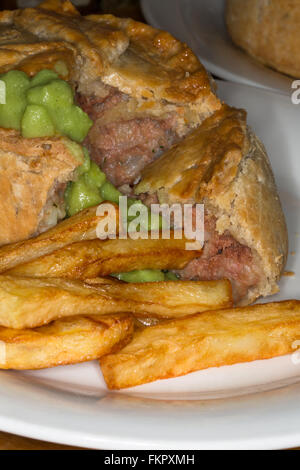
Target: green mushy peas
[[110, 193], [16, 85], [80, 195], [36, 122], [86, 191], [146, 275], [42, 106], [143, 275]]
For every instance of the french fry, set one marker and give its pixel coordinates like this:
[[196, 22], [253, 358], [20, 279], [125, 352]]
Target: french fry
[[79, 227], [31, 302], [67, 341], [145, 321], [102, 280], [173, 299], [94, 258], [223, 299], [211, 339]]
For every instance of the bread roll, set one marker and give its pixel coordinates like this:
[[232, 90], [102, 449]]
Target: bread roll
[[269, 30]]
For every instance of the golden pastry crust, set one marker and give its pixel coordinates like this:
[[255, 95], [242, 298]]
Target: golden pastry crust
[[149, 65], [268, 31], [155, 63], [30, 169], [223, 165], [205, 162]]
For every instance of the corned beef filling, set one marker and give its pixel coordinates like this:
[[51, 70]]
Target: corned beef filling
[[223, 257], [124, 146]]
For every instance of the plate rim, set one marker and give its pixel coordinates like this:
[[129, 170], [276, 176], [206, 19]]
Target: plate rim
[[55, 434]]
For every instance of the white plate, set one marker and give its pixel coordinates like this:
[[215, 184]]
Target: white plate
[[200, 23], [215, 408]]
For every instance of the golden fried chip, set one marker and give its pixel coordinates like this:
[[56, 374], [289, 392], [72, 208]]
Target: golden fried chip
[[211, 339], [67, 341], [32, 302], [79, 227], [94, 258], [172, 299], [102, 280]]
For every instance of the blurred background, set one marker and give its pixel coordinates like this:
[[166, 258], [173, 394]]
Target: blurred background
[[123, 8]]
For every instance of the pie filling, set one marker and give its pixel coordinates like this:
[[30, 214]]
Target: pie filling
[[123, 139], [224, 257], [123, 144], [54, 210]]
